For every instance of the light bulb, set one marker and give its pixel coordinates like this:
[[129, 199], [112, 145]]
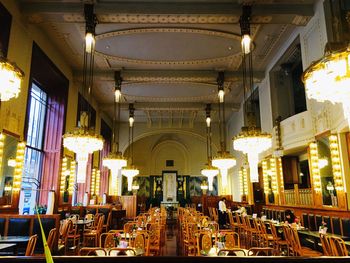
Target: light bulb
[[117, 95], [221, 95], [246, 42], [208, 120], [89, 42], [131, 121]]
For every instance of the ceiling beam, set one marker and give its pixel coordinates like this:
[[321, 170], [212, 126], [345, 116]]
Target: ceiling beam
[[276, 11], [169, 106], [196, 76]]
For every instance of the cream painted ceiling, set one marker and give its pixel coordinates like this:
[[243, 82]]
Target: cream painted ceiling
[[169, 51]]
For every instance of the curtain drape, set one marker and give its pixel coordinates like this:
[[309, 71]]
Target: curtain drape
[[52, 147]]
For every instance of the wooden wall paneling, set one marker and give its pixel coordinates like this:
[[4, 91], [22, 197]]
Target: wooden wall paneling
[[129, 204]]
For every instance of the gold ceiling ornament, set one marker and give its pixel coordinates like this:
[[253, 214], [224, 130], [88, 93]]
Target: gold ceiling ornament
[[328, 79], [251, 140], [83, 140], [11, 77]]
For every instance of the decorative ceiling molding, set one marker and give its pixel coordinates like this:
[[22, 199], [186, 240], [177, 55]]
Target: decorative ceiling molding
[[158, 12], [133, 31]]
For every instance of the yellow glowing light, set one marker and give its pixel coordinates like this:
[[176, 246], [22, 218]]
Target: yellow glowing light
[[17, 177], [328, 79], [210, 172], [93, 181], [10, 78], [97, 184], [315, 167], [130, 172], [221, 95], [336, 166], [246, 43], [223, 162], [265, 176], [245, 181], [252, 141], [280, 172], [2, 138], [241, 186], [71, 177], [89, 42], [274, 183], [63, 174]]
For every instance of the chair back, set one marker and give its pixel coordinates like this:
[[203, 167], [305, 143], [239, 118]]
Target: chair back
[[31, 245], [107, 240], [232, 240], [338, 246], [141, 241], [204, 241], [51, 238], [326, 245]]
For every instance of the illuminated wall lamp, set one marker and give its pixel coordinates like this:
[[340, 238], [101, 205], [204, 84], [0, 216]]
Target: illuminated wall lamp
[[336, 166], [315, 167], [17, 177]]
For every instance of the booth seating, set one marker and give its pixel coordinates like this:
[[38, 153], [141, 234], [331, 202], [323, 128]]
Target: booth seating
[[28, 225]]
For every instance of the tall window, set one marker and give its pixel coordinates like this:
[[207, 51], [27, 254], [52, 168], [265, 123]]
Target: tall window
[[35, 136]]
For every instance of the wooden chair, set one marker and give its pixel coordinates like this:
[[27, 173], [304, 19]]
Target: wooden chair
[[298, 249], [108, 222], [94, 234], [261, 251], [107, 240], [326, 245], [232, 240], [231, 252], [204, 242], [31, 245], [338, 246], [92, 251], [51, 238], [234, 225], [141, 242], [279, 242], [72, 238], [63, 232]]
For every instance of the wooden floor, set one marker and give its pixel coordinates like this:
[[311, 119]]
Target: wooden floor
[[170, 248]]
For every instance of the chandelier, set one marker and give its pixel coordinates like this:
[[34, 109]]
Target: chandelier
[[251, 140], [115, 161], [11, 78], [131, 171], [328, 79], [224, 160], [83, 140], [209, 171]]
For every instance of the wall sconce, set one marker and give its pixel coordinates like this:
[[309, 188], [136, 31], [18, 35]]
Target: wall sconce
[[335, 156], [97, 183], [17, 177], [315, 167], [266, 173], [280, 172], [273, 172], [72, 177], [63, 175], [93, 179]]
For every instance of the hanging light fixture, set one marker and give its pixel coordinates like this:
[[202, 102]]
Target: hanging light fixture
[[328, 79], [115, 161], [224, 160], [11, 77], [244, 21], [83, 140], [251, 140], [131, 171], [209, 171]]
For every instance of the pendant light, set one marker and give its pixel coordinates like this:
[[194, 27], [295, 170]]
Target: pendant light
[[83, 140], [244, 21], [131, 171], [209, 171], [251, 140], [115, 160], [224, 160]]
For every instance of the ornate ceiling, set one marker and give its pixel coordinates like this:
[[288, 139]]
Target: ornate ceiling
[[169, 51]]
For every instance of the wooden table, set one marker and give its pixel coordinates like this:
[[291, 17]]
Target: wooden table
[[16, 240], [12, 246]]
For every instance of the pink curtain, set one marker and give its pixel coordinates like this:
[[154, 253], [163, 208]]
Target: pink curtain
[[104, 170], [52, 148]]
